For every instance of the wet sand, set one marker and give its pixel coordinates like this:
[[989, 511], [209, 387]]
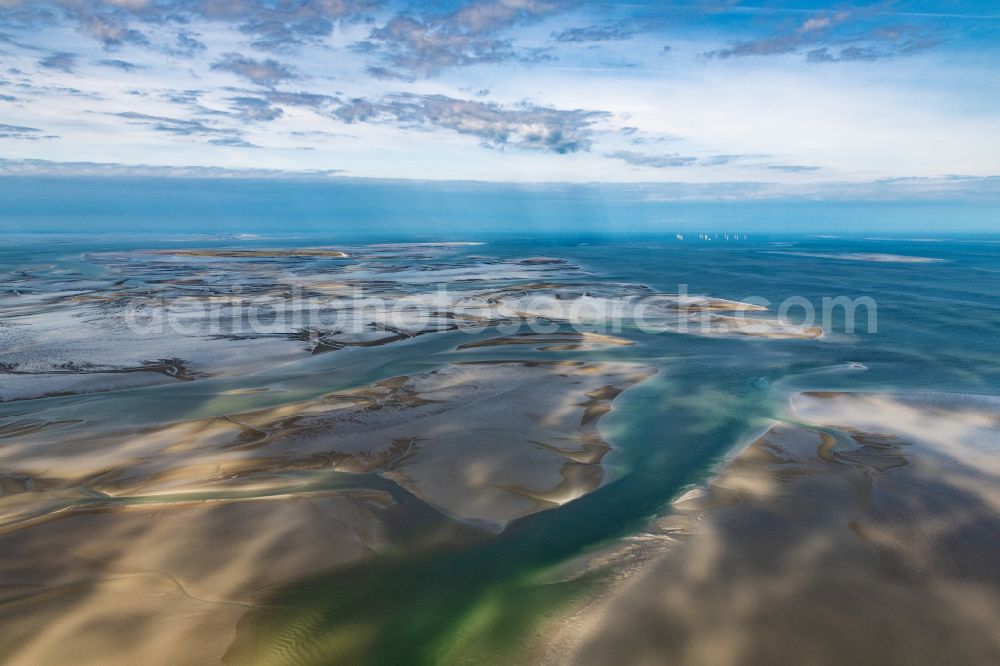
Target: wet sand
[[122, 547], [558, 341], [260, 254], [127, 537], [873, 257], [761, 328], [864, 530], [154, 317]]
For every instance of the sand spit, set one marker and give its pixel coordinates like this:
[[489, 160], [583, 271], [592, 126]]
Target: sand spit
[[537, 261], [873, 257], [123, 547], [533, 422], [762, 328], [558, 341], [868, 535], [260, 254]]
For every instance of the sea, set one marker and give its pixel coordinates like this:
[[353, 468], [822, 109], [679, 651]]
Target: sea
[[930, 322]]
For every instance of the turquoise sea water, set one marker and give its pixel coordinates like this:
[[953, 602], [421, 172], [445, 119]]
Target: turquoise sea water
[[938, 328]]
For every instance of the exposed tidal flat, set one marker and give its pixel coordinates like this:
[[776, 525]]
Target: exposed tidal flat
[[432, 480], [863, 528]]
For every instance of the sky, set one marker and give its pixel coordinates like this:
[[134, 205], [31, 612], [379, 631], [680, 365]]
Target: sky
[[718, 97]]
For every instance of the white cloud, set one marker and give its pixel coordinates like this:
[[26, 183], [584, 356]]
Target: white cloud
[[930, 115]]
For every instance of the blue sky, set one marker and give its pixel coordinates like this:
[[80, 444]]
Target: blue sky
[[800, 95]]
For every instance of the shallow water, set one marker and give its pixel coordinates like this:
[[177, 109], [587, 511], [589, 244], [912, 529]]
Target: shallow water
[[937, 330]]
